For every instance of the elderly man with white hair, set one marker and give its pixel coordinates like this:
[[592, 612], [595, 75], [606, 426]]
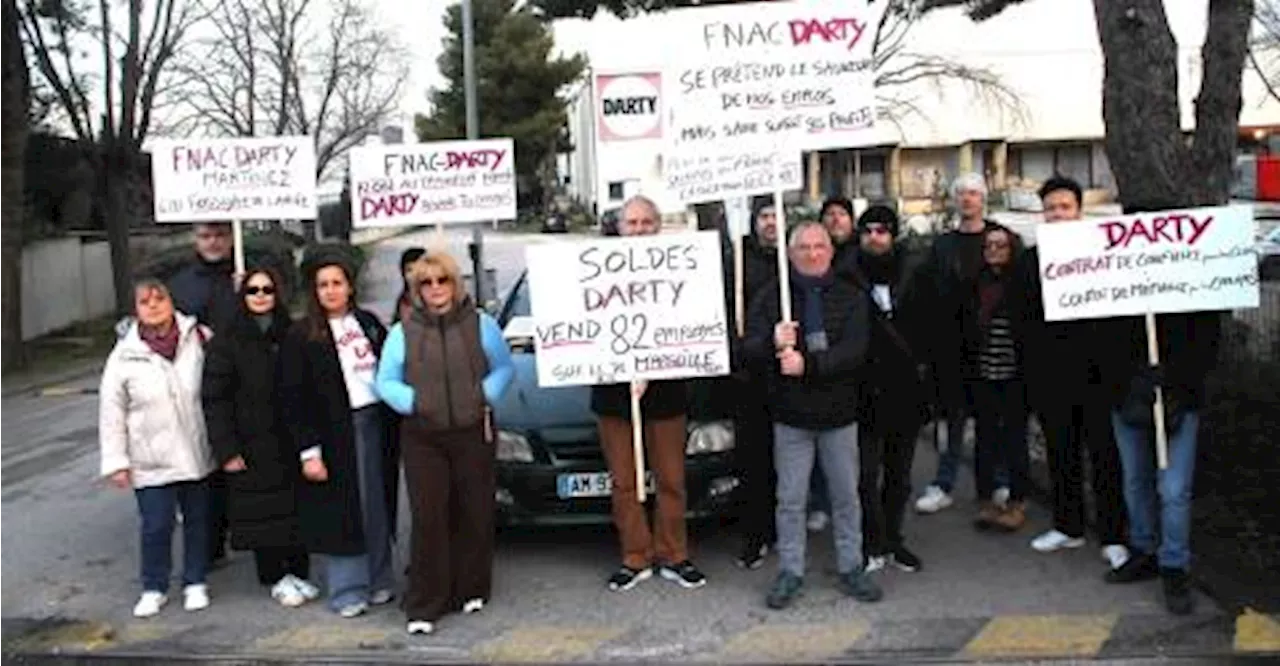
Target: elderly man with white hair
[[947, 274]]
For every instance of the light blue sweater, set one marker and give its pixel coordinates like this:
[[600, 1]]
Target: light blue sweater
[[392, 388]]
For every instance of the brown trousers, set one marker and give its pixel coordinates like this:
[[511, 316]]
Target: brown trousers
[[664, 454], [450, 476]]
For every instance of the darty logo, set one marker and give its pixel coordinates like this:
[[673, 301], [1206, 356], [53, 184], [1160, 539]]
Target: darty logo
[[629, 106]]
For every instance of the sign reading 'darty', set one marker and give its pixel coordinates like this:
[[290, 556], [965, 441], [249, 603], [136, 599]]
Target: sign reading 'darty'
[[216, 180], [428, 183], [629, 106], [612, 310], [1169, 261]]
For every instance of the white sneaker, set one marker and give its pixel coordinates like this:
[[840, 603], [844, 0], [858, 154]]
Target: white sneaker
[[287, 593], [1055, 540], [473, 605], [420, 627], [195, 597], [1116, 555], [353, 610], [380, 597], [149, 604], [875, 563], [933, 500], [818, 521], [1001, 497], [304, 587]]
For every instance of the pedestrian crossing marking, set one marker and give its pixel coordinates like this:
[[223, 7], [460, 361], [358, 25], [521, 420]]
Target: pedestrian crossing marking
[[319, 638], [544, 643], [794, 642], [1256, 632], [81, 636], [1043, 635]]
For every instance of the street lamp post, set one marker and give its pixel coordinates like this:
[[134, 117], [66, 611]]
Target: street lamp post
[[473, 133]]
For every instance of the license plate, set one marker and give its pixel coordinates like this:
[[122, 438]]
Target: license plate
[[591, 484]]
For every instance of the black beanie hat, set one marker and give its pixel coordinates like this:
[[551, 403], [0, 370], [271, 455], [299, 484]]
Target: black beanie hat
[[838, 201], [879, 214]]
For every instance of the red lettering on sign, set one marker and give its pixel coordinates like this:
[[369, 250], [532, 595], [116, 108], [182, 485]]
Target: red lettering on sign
[[389, 205], [470, 159], [1165, 228], [840, 30]]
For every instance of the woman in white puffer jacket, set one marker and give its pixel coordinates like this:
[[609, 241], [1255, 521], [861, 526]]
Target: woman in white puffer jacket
[[152, 432]]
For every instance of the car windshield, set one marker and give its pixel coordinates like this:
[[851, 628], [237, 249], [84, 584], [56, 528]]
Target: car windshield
[[1274, 236], [517, 301]]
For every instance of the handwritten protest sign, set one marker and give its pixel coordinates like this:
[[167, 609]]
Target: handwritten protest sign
[[793, 75], [711, 177], [1170, 261], [612, 310], [433, 183], [215, 180]]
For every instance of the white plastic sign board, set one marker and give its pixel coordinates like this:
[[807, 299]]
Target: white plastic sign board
[[1169, 261], [696, 178], [217, 180], [443, 182], [629, 106], [611, 310], [797, 75]]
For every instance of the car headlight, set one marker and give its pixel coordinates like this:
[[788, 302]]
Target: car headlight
[[513, 447], [713, 437]]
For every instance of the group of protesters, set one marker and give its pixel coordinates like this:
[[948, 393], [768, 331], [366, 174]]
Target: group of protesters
[[289, 436], [286, 438]]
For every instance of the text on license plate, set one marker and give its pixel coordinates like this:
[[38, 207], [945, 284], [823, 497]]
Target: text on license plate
[[591, 484]]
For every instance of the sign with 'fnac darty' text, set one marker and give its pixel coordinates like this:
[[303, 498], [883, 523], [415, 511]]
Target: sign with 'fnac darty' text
[[629, 106], [428, 183], [610, 310], [1169, 261], [215, 180]]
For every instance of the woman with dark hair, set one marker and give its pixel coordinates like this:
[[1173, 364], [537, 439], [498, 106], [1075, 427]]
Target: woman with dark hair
[[249, 439], [404, 304], [344, 436], [152, 436]]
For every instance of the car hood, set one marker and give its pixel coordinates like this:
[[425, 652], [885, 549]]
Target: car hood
[[555, 414]]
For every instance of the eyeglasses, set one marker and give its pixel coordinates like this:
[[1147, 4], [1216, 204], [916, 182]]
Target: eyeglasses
[[265, 290], [437, 282]]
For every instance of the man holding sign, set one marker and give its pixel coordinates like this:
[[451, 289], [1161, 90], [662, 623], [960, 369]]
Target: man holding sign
[[662, 405]]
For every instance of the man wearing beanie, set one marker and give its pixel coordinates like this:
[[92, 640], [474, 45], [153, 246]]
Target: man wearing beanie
[[893, 400], [837, 217]]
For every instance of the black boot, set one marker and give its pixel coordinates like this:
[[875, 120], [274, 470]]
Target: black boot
[[1140, 567], [1177, 591]]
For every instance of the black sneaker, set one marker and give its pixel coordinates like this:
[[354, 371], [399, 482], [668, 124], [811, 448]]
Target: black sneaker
[[1140, 567], [683, 574], [626, 578], [752, 556], [1177, 591], [786, 588], [905, 560], [858, 584]]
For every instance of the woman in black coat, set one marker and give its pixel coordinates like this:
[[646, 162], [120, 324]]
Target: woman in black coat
[[250, 442], [344, 436]]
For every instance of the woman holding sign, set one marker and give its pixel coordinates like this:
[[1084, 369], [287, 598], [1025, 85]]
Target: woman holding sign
[[442, 366]]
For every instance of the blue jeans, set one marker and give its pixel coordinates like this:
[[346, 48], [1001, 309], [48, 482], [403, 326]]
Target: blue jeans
[[949, 453], [1143, 482], [794, 451], [158, 507], [352, 578]]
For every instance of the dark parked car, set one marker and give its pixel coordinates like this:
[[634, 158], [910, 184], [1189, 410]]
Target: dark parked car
[[609, 222], [550, 466], [555, 223]]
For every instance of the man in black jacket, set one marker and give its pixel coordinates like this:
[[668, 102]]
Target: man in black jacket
[[1063, 378], [663, 404], [813, 365], [893, 397], [946, 276], [1159, 501]]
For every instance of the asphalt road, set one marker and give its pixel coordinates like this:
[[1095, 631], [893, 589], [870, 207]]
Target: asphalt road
[[69, 572]]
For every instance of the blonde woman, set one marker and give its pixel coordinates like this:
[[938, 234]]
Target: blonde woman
[[152, 434], [441, 366]]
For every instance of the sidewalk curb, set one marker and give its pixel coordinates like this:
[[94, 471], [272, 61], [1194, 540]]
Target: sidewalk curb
[[52, 385]]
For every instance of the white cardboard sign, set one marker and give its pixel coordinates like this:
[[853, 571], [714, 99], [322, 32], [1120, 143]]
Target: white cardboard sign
[[428, 183], [1169, 261], [611, 310], [715, 176], [217, 180], [629, 106]]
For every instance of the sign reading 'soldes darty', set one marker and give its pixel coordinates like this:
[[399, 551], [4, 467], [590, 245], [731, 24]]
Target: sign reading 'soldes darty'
[[629, 106]]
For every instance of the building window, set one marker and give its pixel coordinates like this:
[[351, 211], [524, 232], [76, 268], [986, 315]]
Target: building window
[[616, 191]]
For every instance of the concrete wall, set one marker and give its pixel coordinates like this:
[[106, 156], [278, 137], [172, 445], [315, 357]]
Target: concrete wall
[[64, 281]]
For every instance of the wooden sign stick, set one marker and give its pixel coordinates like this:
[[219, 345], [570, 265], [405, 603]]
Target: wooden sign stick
[[237, 235], [637, 442], [1153, 358]]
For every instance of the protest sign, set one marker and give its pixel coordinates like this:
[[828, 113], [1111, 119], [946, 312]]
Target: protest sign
[[790, 75], [611, 310], [216, 180], [433, 183], [711, 177], [1169, 261], [629, 106]]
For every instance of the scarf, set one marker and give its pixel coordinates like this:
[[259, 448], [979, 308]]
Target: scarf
[[809, 290], [163, 343], [990, 295]]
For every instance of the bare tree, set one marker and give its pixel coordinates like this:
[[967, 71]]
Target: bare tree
[[291, 67], [1264, 48], [13, 149], [134, 45]]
